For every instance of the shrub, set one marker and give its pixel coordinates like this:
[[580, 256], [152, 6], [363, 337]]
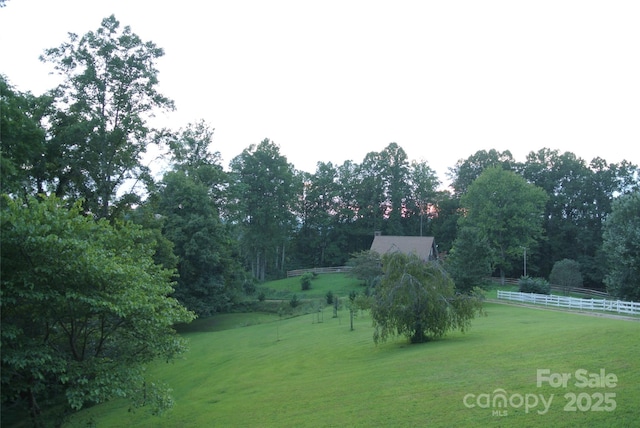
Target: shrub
[[329, 297], [566, 273], [534, 285], [294, 302], [261, 296], [305, 280]]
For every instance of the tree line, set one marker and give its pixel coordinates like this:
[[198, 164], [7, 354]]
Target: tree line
[[84, 141]]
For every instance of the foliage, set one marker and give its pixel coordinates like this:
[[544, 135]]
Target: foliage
[[507, 212], [329, 297], [466, 171], [305, 281], [580, 195], [210, 273], [84, 308], [263, 190], [622, 248], [21, 161], [566, 273], [314, 244], [421, 196], [366, 266], [99, 129], [417, 299], [362, 302], [469, 262], [534, 285], [444, 222], [294, 302]]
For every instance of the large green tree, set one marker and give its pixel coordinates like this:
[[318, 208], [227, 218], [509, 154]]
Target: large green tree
[[467, 170], [622, 247], [507, 212], [190, 203], [469, 261], [395, 170], [264, 192], [314, 246], [100, 128], [22, 141], [84, 308], [580, 195], [417, 299], [421, 199]]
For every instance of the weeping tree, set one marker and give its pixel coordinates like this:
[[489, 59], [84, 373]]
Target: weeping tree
[[417, 299]]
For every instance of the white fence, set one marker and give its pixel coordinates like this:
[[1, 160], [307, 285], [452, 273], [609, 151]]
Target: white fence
[[618, 306]]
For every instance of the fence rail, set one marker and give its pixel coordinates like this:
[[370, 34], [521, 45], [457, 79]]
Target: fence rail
[[618, 306], [338, 269]]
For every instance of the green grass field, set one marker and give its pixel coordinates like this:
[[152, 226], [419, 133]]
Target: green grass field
[[338, 284], [260, 370]]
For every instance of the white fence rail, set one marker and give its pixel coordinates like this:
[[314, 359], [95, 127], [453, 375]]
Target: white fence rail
[[618, 306]]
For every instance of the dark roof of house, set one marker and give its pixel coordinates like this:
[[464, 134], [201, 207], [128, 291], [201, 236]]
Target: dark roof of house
[[422, 246]]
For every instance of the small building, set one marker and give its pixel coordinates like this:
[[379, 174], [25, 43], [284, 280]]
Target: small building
[[423, 246]]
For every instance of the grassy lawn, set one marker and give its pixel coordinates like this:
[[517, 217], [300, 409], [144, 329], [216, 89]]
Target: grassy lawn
[[298, 372], [339, 284]]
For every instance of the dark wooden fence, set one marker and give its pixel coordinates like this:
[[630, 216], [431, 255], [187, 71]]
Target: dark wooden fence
[[338, 269]]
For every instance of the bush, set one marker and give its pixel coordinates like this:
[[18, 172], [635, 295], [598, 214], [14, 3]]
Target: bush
[[261, 296], [534, 285], [305, 280], [294, 302], [566, 273], [329, 297]]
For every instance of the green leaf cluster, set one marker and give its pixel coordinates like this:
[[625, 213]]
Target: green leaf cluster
[[417, 299], [84, 306], [622, 248]]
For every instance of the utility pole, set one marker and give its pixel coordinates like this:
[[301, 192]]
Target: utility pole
[[525, 260]]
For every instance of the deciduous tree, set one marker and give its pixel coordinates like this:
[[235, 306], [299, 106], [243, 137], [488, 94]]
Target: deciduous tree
[[22, 156], [507, 212], [417, 299], [109, 91], [469, 261], [467, 170], [566, 274], [366, 266], [622, 248], [264, 191], [84, 308], [189, 201]]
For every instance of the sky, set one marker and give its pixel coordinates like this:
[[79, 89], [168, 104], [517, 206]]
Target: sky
[[333, 80]]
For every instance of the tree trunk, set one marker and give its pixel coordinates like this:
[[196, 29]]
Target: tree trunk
[[282, 261]]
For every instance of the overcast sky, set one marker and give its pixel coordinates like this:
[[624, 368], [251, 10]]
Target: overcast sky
[[334, 80]]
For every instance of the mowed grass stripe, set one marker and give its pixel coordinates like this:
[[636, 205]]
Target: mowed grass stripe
[[323, 374]]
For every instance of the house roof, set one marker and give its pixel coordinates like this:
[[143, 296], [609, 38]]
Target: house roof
[[422, 246]]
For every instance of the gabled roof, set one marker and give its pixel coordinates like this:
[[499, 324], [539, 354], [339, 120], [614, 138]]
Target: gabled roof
[[423, 246]]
